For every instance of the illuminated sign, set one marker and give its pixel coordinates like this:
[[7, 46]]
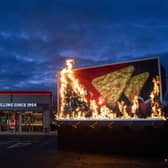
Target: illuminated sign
[[130, 90], [18, 105]]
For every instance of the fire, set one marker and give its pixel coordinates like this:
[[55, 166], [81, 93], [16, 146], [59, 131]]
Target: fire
[[75, 105], [68, 83], [123, 109], [69, 64], [155, 105], [135, 106]]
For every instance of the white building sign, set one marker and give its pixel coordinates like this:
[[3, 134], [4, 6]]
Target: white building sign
[[14, 105]]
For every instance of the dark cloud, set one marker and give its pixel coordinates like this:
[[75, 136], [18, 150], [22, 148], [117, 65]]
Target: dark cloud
[[36, 37]]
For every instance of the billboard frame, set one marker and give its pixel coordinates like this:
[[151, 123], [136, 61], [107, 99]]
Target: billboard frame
[[136, 60]]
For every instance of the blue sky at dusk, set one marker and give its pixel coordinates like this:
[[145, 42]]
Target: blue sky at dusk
[[36, 37]]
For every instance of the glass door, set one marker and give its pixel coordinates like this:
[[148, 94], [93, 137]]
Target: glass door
[[13, 121], [3, 121], [26, 121], [9, 121], [32, 121]]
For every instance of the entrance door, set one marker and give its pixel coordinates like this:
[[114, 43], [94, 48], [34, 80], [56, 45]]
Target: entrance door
[[32, 121], [13, 121], [26, 121], [3, 121], [10, 121]]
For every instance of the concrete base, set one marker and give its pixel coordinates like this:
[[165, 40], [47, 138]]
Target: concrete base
[[127, 140], [54, 133]]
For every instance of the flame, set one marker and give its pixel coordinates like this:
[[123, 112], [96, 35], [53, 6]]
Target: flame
[[135, 106], [155, 105], [69, 64], [74, 104], [67, 78], [123, 109]]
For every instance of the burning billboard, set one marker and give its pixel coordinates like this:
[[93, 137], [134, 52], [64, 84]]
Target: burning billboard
[[130, 90]]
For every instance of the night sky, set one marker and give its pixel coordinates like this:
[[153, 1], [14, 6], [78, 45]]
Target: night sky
[[36, 37]]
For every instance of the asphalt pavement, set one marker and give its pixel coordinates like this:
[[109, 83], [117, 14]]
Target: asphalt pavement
[[42, 152]]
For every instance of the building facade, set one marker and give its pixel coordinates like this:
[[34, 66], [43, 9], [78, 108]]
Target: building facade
[[25, 111]]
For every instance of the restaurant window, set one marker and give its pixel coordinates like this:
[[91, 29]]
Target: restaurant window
[[32, 121], [3, 121]]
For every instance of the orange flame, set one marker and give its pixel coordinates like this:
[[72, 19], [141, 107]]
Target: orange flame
[[69, 64], [155, 105], [135, 106], [123, 109]]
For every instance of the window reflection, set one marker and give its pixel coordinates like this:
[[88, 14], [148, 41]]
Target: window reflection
[[27, 121]]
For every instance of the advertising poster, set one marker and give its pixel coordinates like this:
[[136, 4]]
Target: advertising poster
[[118, 91]]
